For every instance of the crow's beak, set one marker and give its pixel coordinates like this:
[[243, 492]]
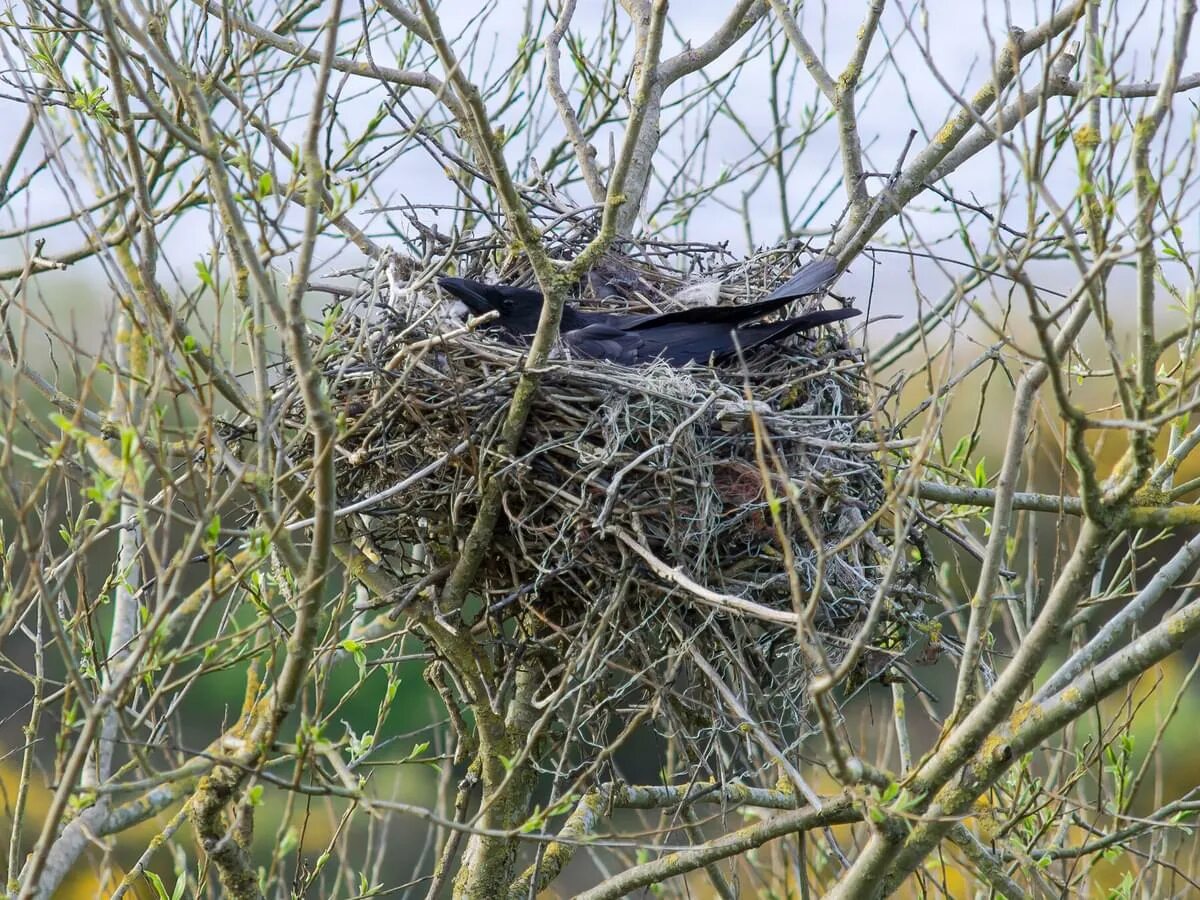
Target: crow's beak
[[463, 290]]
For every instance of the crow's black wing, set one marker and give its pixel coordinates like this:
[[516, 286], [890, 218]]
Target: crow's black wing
[[808, 280], [679, 344], [751, 336], [600, 341], [689, 342], [702, 342]]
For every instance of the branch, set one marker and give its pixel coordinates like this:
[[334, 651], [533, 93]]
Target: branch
[[1029, 730], [837, 812], [45, 863], [585, 153], [989, 868], [808, 56], [880, 856], [744, 16], [850, 243], [405, 77], [1068, 88], [1148, 192], [1085, 657], [479, 538], [979, 625]]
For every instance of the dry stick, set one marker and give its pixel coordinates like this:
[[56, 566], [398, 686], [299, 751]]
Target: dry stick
[[725, 602], [397, 488], [760, 736], [613, 490]]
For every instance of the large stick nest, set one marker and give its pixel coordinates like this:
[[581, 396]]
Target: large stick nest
[[641, 499]]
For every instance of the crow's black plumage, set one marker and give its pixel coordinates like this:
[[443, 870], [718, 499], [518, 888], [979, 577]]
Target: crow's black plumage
[[696, 334], [689, 342]]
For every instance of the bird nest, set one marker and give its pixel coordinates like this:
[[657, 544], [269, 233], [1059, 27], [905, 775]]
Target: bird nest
[[660, 527]]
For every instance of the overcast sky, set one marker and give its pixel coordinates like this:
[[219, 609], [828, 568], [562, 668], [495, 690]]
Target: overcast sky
[[962, 37]]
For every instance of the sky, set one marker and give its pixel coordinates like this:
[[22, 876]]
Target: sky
[[923, 55]]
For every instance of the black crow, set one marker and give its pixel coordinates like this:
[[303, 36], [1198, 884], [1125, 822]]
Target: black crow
[[696, 334], [520, 308]]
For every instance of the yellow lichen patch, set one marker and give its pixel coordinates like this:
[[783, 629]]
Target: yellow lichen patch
[[992, 748], [945, 134], [1180, 626], [1024, 713]]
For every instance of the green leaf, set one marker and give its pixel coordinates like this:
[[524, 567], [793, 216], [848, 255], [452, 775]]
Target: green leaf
[[355, 649], [979, 477], [129, 443], [959, 455], [213, 532], [418, 749], [65, 425], [156, 882], [204, 274]]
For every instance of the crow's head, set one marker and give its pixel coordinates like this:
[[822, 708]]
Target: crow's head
[[519, 308]]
